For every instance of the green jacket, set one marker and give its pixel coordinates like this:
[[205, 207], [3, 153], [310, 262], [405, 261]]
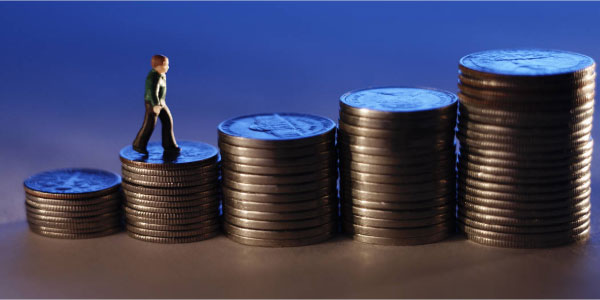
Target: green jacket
[[156, 88]]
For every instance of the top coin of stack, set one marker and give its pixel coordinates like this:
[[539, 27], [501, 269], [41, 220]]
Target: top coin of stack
[[172, 198], [525, 122], [73, 203], [397, 160], [279, 179]]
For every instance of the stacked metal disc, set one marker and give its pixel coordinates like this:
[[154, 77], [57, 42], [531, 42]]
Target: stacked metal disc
[[525, 147], [397, 165], [172, 198], [279, 179], [73, 203]]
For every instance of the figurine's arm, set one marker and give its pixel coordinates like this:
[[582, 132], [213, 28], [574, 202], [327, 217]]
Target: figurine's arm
[[155, 88]]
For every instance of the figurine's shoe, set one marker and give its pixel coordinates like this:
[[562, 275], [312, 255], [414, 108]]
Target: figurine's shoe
[[140, 150], [172, 149]]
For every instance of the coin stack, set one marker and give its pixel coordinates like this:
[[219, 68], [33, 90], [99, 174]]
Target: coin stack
[[172, 197], [525, 147], [73, 203], [397, 160], [279, 179]]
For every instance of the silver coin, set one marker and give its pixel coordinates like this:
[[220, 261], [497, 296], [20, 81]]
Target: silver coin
[[522, 230], [521, 222], [393, 197], [71, 230], [276, 130], [77, 214], [176, 204], [181, 227], [527, 121], [578, 238], [280, 234], [174, 240], [76, 235], [280, 243], [510, 155], [401, 241], [188, 215], [194, 171], [537, 237], [393, 170], [567, 188], [192, 155], [404, 205], [398, 179], [572, 160], [521, 173], [415, 160], [72, 202], [519, 100], [281, 170], [275, 216], [530, 213], [108, 222], [280, 188], [210, 194], [389, 102], [517, 147], [405, 133], [442, 186], [427, 142], [174, 184], [564, 203], [171, 222], [516, 85], [325, 158], [278, 207], [76, 184], [288, 152], [279, 225], [581, 136], [517, 197], [397, 233], [279, 179], [391, 151], [210, 206], [386, 223], [115, 204], [398, 214], [190, 179], [173, 234], [504, 179], [467, 125], [441, 121], [168, 191], [328, 191], [98, 218]]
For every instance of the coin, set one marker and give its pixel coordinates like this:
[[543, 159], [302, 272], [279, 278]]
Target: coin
[[277, 216], [115, 204], [442, 186], [398, 179], [229, 193], [71, 214], [131, 211], [421, 240], [279, 225], [325, 158], [211, 193], [181, 227], [529, 120], [537, 237], [278, 170], [169, 191], [568, 188], [551, 100], [395, 152], [72, 230], [507, 221], [397, 214], [585, 148], [279, 207], [108, 222], [289, 152], [493, 84], [518, 146], [569, 202], [75, 235], [189, 179], [571, 161], [537, 141], [280, 234], [390, 102], [392, 170], [427, 142], [173, 240], [99, 218], [192, 155], [280, 243], [441, 121], [581, 237], [192, 171], [528, 173], [176, 204], [382, 205], [276, 130], [171, 222], [397, 233], [393, 197], [73, 202], [573, 115], [531, 131], [399, 223], [280, 188], [414, 160], [211, 206], [529, 213], [66, 184], [489, 177], [278, 179], [173, 234], [522, 230], [172, 185], [403, 133]]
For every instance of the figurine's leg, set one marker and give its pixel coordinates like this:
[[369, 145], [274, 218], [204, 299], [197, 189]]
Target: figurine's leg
[[141, 140], [168, 136]]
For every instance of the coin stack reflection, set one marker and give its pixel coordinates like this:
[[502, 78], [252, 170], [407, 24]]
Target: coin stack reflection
[[73, 203], [279, 179], [397, 160], [172, 197], [525, 147]]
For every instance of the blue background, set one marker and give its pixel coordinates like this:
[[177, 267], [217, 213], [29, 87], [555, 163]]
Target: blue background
[[72, 74]]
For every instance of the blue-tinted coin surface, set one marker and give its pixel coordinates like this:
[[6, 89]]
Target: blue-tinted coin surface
[[277, 126], [191, 153], [526, 62], [72, 181], [398, 99]]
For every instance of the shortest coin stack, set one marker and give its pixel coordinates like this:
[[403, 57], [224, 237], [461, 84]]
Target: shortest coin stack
[[172, 198], [73, 203]]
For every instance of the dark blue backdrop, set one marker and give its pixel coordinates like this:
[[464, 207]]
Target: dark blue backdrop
[[72, 74]]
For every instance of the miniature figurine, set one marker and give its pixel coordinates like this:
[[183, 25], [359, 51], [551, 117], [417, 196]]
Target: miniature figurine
[[154, 98]]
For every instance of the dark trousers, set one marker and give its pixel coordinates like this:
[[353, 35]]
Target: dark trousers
[[168, 137]]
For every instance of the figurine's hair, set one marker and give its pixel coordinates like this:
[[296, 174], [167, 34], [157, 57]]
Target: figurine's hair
[[158, 60]]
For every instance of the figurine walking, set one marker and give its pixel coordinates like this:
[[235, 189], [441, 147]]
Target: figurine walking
[[154, 98]]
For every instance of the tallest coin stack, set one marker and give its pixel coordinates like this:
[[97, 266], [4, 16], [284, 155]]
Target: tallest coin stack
[[524, 126]]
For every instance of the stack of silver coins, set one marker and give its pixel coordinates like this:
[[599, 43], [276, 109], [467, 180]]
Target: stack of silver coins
[[74, 203], [397, 165], [525, 147], [279, 179], [172, 198]]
